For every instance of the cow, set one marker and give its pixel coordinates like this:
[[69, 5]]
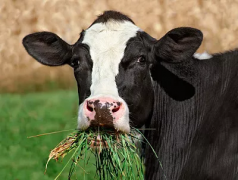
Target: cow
[[126, 78]]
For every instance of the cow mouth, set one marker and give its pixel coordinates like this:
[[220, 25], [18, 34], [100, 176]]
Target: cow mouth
[[98, 140]]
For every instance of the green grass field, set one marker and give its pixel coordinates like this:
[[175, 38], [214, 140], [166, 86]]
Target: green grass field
[[31, 114]]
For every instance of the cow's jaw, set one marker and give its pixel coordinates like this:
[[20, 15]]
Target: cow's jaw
[[107, 43]]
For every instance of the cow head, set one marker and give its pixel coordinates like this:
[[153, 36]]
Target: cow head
[[115, 64]]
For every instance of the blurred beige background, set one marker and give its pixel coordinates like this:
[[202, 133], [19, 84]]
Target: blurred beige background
[[218, 20]]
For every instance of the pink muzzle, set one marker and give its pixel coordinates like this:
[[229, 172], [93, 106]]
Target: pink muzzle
[[103, 111]]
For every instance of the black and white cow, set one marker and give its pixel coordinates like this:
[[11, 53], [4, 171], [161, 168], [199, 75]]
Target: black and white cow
[[127, 78]]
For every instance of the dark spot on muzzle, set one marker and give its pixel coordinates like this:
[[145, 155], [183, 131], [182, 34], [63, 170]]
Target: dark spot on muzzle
[[103, 116]]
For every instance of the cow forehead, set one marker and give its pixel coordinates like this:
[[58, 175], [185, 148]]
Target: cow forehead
[[107, 43], [109, 38]]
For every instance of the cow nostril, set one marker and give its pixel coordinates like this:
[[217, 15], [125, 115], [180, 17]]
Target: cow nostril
[[116, 109], [89, 107]]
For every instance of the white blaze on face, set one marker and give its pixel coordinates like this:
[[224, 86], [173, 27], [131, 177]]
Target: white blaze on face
[[107, 43]]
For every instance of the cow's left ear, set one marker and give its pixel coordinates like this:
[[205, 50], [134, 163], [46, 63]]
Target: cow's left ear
[[178, 44]]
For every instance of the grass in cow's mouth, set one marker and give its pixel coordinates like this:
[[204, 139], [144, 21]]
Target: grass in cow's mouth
[[116, 154]]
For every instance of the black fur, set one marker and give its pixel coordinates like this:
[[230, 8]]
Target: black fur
[[197, 138], [111, 15], [134, 81]]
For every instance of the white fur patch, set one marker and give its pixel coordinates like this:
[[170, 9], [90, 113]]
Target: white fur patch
[[202, 56], [107, 42]]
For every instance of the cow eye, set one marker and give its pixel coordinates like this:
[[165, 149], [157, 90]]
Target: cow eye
[[75, 63], [141, 60]]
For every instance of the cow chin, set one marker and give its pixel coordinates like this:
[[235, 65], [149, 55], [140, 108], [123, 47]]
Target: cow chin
[[120, 124]]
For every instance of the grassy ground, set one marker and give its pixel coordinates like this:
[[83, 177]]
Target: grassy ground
[[25, 115]]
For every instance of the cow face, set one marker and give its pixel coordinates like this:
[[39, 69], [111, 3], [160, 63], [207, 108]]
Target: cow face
[[112, 63], [110, 76]]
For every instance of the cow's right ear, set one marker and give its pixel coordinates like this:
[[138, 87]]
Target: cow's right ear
[[178, 45], [48, 48]]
